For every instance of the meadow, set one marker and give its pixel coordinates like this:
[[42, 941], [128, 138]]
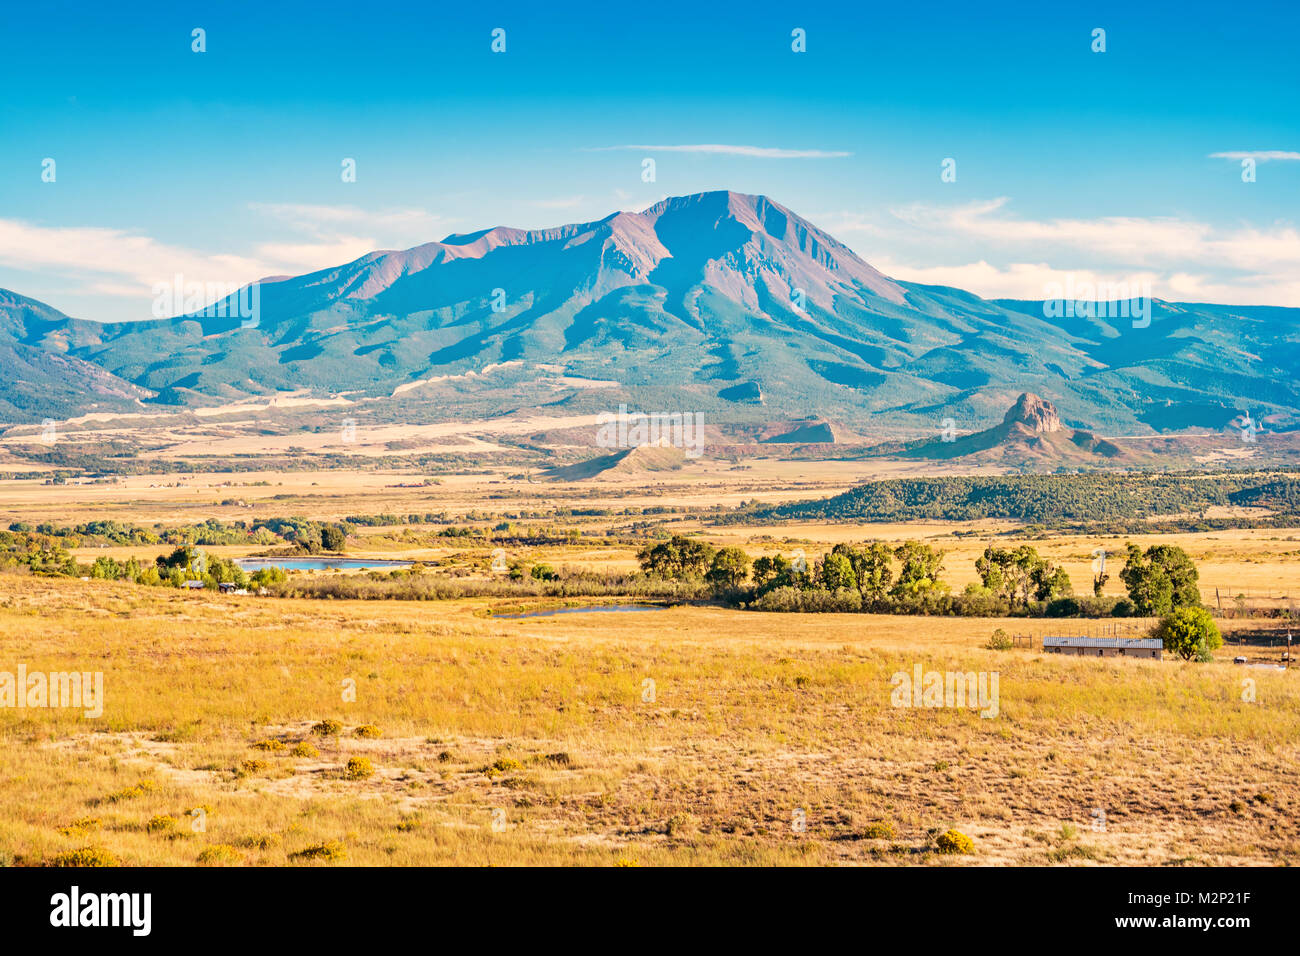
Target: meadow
[[476, 740], [246, 730]]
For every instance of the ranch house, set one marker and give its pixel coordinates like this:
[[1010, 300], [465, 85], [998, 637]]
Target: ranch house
[[1149, 647]]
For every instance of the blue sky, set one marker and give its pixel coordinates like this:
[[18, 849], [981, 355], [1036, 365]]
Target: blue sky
[[225, 165]]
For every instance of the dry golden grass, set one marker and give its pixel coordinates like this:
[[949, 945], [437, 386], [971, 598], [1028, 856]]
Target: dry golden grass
[[535, 741]]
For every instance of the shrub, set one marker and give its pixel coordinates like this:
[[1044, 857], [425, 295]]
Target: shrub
[[1190, 633], [954, 841], [543, 572], [977, 601], [810, 600], [367, 730], [271, 746], [85, 856], [261, 841], [327, 728], [130, 793], [1000, 641], [358, 768], [329, 852], [220, 854], [304, 749], [81, 827], [1064, 607], [501, 766], [878, 831], [161, 824], [679, 824], [252, 766], [1124, 608]]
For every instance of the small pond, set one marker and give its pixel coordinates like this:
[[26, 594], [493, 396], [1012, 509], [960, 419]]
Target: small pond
[[319, 564]]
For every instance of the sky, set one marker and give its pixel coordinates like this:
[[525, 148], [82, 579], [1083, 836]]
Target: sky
[[1071, 164]]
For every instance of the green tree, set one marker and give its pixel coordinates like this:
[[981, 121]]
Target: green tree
[[1050, 582], [730, 568], [873, 567], [877, 575], [1190, 633], [919, 568], [263, 577], [771, 572], [836, 573], [1021, 575], [106, 568], [181, 558], [1161, 580], [679, 557], [333, 537]]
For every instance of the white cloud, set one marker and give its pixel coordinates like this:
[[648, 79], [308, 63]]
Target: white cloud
[[721, 149], [1123, 238], [1002, 255], [1259, 155], [1038, 280], [293, 258], [133, 261], [409, 226], [1018, 280], [95, 263], [562, 202]]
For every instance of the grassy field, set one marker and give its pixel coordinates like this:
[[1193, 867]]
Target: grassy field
[[763, 739], [1263, 564], [680, 736]]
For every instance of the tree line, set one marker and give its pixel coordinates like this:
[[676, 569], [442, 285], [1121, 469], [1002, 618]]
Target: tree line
[[1051, 500], [907, 578]]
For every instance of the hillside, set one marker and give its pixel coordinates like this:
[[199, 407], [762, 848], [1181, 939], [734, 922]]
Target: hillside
[[1030, 432], [632, 461], [1055, 500], [718, 302]]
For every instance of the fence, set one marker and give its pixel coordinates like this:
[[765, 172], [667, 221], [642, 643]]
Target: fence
[[1230, 603], [1131, 628]]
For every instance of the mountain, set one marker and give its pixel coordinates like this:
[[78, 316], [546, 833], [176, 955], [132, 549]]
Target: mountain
[[642, 460], [722, 303], [41, 378], [1031, 430]]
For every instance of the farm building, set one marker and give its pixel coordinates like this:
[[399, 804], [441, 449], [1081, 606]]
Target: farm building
[[1104, 646]]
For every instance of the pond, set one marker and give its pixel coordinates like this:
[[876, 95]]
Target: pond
[[592, 609], [319, 564]]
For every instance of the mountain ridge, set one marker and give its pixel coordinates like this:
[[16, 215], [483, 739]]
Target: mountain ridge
[[727, 301]]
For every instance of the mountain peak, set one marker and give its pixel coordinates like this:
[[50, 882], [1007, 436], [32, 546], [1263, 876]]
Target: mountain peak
[[1037, 414]]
